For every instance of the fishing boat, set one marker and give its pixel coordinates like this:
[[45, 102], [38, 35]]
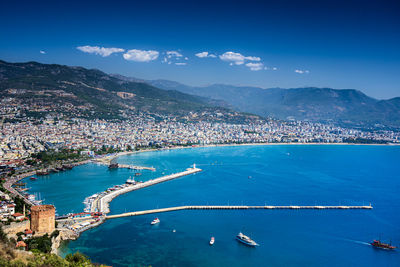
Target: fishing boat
[[246, 240], [155, 221], [212, 241], [379, 244]]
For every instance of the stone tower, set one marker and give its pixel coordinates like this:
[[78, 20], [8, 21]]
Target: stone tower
[[43, 219]]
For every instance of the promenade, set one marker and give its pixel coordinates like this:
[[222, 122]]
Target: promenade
[[9, 183]]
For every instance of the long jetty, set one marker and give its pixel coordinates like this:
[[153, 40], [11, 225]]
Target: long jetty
[[144, 212], [100, 204]]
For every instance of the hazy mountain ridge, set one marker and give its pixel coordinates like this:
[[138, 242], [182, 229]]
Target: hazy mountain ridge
[[343, 106]]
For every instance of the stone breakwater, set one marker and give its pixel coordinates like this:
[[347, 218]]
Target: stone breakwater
[[101, 203]]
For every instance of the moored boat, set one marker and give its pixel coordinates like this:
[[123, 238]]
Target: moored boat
[[130, 181], [42, 172], [246, 240], [113, 166]]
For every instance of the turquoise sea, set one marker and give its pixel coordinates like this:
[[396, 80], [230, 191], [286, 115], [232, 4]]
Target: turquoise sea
[[250, 175]]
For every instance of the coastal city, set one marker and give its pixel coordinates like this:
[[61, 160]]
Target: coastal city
[[20, 140], [199, 133]]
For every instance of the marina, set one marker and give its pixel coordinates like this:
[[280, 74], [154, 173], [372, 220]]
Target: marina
[[100, 203], [96, 205]]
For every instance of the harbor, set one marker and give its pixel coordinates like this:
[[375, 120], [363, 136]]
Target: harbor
[[97, 205], [100, 203]]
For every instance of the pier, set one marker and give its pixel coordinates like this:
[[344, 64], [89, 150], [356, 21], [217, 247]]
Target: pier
[[133, 167], [145, 212], [100, 204]]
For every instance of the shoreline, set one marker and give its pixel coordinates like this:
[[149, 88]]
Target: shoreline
[[124, 153], [102, 159]]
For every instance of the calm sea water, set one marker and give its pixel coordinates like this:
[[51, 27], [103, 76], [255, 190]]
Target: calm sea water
[[279, 175]]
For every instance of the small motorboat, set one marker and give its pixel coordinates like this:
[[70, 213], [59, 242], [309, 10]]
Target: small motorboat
[[33, 178], [212, 241], [155, 221]]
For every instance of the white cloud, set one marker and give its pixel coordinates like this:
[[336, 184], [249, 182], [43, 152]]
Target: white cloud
[[173, 56], [102, 51], [255, 66], [302, 71], [237, 58], [253, 58], [42, 52], [205, 54], [180, 63], [176, 54], [141, 55]]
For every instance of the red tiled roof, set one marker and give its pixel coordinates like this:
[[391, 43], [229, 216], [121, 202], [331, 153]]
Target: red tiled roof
[[20, 244], [18, 214]]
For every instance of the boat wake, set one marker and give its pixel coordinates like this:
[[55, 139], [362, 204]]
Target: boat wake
[[355, 241]]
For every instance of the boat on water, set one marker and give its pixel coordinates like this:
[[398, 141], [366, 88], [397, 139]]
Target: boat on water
[[33, 178], [246, 240], [130, 181], [379, 244], [212, 241], [113, 166], [138, 174], [155, 221], [43, 172]]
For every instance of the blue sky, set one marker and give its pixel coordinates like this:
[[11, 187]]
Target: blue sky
[[338, 44]]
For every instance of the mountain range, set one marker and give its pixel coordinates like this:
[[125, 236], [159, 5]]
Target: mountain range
[[347, 107], [91, 93]]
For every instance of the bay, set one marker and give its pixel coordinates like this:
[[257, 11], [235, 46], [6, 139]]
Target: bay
[[242, 175]]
